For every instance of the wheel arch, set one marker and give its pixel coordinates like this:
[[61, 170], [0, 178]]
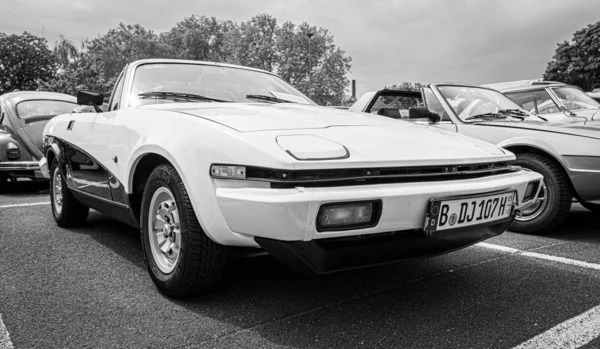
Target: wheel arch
[[520, 148]]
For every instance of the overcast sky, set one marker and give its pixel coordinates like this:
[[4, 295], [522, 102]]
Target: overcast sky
[[469, 41]]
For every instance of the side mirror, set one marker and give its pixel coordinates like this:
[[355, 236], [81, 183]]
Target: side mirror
[[423, 113], [87, 97]]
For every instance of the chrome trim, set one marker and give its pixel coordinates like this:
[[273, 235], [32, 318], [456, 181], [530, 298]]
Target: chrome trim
[[79, 191], [19, 166]]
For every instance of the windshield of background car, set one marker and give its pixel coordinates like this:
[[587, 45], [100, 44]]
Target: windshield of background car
[[534, 101], [400, 102], [467, 101], [574, 98], [28, 109], [222, 83]]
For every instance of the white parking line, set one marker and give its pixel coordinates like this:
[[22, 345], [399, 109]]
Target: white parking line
[[571, 334], [24, 205], [5, 342], [588, 265]]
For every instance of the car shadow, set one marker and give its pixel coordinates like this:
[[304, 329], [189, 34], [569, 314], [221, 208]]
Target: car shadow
[[581, 225], [24, 188]]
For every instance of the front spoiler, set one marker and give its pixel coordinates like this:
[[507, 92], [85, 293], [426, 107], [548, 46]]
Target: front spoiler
[[335, 254]]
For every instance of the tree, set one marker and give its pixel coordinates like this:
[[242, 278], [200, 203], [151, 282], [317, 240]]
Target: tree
[[319, 71], [578, 62], [200, 38], [24, 59]]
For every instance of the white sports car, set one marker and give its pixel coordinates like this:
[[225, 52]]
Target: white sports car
[[207, 157]]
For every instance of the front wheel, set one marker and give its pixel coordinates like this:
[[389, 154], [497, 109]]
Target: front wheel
[[67, 211], [182, 260], [554, 201]]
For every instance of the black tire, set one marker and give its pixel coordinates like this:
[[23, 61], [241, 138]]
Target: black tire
[[592, 207], [73, 212], [558, 195], [201, 262]]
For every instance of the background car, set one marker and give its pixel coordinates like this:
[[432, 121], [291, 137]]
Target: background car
[[552, 100], [23, 116], [595, 96], [209, 157], [567, 154]]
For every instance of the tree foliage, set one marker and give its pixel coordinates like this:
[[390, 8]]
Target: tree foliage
[[24, 59], [578, 62], [314, 65]]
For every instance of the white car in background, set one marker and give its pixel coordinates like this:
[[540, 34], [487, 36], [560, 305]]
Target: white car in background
[[208, 157], [554, 101]]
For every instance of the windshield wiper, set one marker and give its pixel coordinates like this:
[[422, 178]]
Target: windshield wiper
[[486, 115], [178, 96], [519, 113], [267, 98]]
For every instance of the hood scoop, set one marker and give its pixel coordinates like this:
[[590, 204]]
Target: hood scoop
[[309, 147]]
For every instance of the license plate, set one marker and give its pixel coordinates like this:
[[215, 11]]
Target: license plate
[[447, 214]]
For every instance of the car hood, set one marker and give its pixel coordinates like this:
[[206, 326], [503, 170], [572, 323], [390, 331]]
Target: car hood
[[307, 135], [590, 129], [251, 117]]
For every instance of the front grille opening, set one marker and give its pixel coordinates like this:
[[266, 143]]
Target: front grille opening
[[367, 176]]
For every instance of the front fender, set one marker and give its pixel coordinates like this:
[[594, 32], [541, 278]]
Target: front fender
[[536, 143]]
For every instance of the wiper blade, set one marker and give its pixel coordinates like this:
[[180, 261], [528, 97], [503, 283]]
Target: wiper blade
[[178, 95], [486, 115], [515, 113], [267, 98]]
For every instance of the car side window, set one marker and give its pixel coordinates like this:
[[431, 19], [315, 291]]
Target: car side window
[[115, 97], [534, 101], [434, 105]]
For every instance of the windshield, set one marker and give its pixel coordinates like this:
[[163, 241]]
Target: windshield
[[209, 81], [32, 108], [470, 101], [574, 98]]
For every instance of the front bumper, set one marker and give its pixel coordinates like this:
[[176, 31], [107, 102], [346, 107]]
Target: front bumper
[[29, 169], [328, 255], [291, 214]]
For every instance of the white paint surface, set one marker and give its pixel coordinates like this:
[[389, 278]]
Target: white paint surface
[[588, 265], [25, 205], [571, 334], [5, 342]]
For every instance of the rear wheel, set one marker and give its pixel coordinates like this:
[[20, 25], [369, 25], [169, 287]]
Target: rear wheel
[[554, 202], [182, 260], [67, 211]]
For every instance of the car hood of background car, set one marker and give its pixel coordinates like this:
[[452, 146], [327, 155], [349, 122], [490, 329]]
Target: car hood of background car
[[590, 129], [368, 138]]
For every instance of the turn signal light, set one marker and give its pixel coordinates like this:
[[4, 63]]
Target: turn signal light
[[344, 216], [13, 152], [227, 171]]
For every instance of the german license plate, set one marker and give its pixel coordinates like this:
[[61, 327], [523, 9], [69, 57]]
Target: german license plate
[[468, 211]]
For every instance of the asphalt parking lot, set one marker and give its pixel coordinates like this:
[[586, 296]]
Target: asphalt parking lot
[[88, 287]]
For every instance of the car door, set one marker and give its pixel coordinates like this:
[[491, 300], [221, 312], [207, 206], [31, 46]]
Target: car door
[[87, 151]]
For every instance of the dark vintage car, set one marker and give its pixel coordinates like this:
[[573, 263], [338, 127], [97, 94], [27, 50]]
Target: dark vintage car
[[23, 116]]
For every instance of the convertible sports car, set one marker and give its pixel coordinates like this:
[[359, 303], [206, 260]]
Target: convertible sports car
[[554, 101], [567, 154], [23, 116], [209, 157]]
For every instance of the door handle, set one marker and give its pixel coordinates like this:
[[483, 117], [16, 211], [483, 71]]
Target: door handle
[[70, 126]]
